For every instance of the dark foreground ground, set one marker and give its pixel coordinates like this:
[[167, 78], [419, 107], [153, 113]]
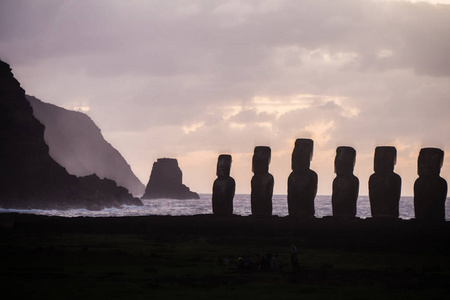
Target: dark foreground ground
[[197, 257]]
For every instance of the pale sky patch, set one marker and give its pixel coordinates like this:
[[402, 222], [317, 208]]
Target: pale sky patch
[[193, 127], [234, 125], [320, 132], [426, 1], [385, 53], [79, 104], [280, 107]]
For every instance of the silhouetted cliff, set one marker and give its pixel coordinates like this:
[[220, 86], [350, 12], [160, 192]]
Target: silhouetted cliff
[[29, 177], [77, 144], [166, 181]]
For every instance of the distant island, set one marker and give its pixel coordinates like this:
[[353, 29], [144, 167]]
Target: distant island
[[166, 181]]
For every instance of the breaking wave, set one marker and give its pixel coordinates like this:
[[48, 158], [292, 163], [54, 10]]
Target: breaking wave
[[203, 205]]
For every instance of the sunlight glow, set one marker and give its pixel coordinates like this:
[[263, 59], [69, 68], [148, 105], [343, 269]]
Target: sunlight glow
[[278, 106], [320, 131], [230, 111], [347, 111], [80, 104], [80, 108], [282, 106], [192, 127]]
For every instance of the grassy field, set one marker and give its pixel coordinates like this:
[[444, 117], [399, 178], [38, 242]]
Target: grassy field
[[38, 264]]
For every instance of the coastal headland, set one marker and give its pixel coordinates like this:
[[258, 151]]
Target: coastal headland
[[201, 256]]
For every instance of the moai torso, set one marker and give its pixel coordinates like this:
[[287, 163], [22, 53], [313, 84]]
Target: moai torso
[[262, 183], [302, 182], [384, 185], [345, 185], [430, 190], [224, 187]]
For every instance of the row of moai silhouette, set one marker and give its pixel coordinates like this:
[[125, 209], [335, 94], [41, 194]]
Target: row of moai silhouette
[[430, 190]]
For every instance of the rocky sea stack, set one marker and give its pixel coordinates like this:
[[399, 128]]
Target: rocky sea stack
[[166, 181], [29, 177]]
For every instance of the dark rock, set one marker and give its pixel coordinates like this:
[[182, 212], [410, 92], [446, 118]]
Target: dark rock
[[262, 183], [302, 182], [29, 177], [224, 187], [106, 194], [77, 144], [430, 190], [345, 185], [385, 185], [166, 181]]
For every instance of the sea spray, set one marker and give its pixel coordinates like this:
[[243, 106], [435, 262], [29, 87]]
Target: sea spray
[[203, 205]]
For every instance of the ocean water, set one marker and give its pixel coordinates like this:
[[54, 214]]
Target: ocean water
[[203, 205]]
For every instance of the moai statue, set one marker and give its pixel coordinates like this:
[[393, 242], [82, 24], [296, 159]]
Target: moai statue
[[302, 182], [224, 187], [430, 190], [384, 185], [345, 185], [262, 182]]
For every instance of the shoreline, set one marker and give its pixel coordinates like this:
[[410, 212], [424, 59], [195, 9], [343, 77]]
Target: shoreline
[[241, 206]]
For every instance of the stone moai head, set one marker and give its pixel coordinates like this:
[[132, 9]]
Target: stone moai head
[[344, 163], [430, 162], [223, 165], [261, 160], [385, 159], [302, 154]]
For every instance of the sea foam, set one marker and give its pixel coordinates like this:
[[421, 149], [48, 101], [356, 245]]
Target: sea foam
[[241, 206]]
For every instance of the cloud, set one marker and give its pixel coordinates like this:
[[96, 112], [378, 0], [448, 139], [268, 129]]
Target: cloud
[[189, 77]]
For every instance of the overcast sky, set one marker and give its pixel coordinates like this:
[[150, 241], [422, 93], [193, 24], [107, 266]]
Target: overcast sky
[[193, 79]]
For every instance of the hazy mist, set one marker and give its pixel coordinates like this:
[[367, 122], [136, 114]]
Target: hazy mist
[[194, 79]]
